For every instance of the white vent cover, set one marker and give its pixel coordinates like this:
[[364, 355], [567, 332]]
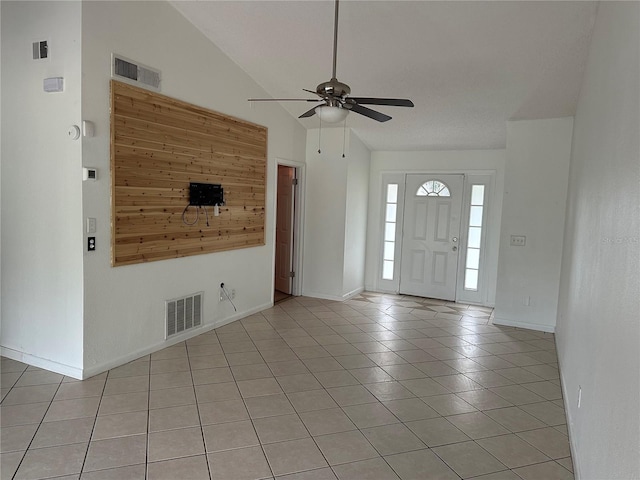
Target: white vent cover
[[183, 314], [135, 73]]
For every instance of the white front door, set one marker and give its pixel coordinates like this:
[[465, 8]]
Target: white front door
[[431, 235]]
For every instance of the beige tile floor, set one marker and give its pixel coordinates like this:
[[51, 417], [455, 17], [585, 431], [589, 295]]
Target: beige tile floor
[[378, 387]]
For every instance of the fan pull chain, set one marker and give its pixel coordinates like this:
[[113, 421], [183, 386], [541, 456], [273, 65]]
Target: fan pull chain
[[344, 135], [319, 134]]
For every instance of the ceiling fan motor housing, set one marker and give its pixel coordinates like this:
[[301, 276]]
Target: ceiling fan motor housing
[[333, 88]]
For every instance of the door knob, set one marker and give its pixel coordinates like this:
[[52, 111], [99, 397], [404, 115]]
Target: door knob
[[454, 239]]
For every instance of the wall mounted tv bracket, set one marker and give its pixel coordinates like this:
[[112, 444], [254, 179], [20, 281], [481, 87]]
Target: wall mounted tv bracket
[[206, 194], [202, 195]]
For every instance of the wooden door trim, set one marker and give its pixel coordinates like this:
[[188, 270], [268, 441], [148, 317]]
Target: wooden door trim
[[298, 236]]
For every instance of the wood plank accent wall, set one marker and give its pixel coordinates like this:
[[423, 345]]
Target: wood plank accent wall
[[158, 146]]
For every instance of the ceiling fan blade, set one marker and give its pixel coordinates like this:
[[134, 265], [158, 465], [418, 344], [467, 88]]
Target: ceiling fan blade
[[393, 102], [308, 113], [367, 112], [285, 100], [311, 91]]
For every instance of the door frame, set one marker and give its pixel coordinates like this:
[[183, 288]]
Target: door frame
[[298, 225], [490, 222]]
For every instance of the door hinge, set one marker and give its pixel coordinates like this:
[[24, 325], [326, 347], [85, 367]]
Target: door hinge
[[292, 274], [294, 182]]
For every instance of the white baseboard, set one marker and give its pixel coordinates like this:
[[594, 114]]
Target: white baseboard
[[353, 293], [529, 326], [36, 361], [567, 411], [336, 298], [116, 362], [246, 313], [323, 296]]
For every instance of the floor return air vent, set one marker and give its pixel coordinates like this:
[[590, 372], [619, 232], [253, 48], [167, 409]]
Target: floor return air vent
[[183, 314]]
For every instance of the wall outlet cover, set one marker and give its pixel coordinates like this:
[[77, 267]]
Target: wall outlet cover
[[518, 240]]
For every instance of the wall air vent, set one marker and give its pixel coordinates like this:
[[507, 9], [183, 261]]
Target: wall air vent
[[183, 314], [135, 73]]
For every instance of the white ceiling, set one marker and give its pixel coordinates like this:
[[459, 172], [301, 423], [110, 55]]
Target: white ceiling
[[468, 66]]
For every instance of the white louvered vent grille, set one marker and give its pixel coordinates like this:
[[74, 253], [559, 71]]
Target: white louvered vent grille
[[135, 73], [183, 314]]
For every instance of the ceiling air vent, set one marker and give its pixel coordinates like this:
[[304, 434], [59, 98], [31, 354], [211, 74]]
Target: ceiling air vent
[[135, 73], [183, 314]]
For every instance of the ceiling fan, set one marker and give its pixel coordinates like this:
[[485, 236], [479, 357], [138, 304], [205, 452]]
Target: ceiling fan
[[335, 95]]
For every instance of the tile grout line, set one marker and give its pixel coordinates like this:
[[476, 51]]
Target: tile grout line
[[204, 444], [95, 420], [146, 450], [39, 424], [34, 435], [243, 397]]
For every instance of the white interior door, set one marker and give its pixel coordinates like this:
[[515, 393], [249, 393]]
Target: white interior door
[[431, 235]]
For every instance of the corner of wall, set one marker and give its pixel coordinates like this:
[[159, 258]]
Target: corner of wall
[[534, 203], [42, 248]]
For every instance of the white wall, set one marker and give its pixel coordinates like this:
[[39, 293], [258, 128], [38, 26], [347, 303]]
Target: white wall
[[325, 215], [480, 162], [124, 306], [355, 238], [42, 242], [335, 217], [535, 192], [598, 332]]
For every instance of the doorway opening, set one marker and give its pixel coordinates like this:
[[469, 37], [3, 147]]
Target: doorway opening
[[285, 232], [435, 236]]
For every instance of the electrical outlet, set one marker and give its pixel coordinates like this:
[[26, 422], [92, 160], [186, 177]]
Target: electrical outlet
[[518, 240]]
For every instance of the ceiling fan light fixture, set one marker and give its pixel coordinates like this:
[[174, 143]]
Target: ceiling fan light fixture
[[329, 114], [336, 95]]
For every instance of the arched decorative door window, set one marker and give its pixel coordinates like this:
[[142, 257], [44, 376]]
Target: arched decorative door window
[[433, 188]]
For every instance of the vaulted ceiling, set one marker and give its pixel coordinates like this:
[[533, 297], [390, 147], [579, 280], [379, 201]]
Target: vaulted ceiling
[[468, 66]]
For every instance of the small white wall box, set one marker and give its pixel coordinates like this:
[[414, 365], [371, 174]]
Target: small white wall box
[[89, 173], [53, 84]]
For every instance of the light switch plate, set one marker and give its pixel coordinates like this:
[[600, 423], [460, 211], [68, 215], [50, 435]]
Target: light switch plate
[[91, 225]]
